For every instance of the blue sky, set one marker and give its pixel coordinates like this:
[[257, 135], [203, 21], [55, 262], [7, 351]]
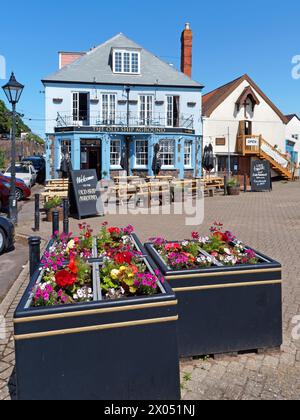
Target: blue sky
[[230, 38]]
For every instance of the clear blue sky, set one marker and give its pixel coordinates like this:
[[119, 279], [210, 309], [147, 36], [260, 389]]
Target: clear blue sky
[[230, 38]]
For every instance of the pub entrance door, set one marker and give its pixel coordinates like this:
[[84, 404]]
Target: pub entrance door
[[91, 156]]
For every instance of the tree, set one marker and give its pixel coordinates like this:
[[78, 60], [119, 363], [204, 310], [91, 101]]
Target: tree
[[6, 121]]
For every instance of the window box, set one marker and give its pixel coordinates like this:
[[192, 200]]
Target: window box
[[224, 309], [98, 350]]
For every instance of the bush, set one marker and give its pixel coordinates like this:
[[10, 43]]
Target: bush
[[233, 182], [53, 203]]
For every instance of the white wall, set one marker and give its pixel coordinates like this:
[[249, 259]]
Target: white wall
[[293, 128], [64, 92], [265, 122]]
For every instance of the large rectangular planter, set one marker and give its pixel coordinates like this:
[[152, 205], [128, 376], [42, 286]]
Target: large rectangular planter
[[102, 350], [226, 309]]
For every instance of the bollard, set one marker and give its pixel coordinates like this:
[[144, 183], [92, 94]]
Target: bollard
[[245, 183], [37, 213], [55, 223], [66, 215], [34, 243], [225, 185]]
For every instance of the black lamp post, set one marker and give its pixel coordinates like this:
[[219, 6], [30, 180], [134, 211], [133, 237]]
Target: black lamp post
[[13, 91]]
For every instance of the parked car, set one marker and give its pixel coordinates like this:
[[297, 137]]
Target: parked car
[[4, 197], [25, 172], [7, 235], [22, 191], [39, 165]]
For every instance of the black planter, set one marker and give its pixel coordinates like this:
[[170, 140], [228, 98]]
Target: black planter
[[226, 309], [102, 350]]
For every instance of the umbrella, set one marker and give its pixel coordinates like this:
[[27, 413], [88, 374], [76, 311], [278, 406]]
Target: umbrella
[[124, 160], [157, 163], [208, 161]]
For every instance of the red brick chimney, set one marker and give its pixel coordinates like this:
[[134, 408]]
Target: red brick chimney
[[66, 58], [187, 50]]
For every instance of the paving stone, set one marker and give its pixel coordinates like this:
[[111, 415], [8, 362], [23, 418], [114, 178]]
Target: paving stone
[[270, 223]]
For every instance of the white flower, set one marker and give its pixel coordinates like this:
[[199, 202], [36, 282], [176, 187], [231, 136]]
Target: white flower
[[185, 243], [90, 291], [227, 251], [75, 297], [209, 259]]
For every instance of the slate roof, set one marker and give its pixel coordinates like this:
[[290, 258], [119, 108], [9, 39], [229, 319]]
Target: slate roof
[[95, 68]]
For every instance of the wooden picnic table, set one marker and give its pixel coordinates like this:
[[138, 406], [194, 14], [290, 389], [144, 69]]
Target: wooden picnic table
[[125, 179]]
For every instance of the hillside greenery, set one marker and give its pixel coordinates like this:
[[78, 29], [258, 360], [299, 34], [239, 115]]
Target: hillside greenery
[[6, 124]]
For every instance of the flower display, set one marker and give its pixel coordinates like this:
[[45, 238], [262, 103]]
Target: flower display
[[114, 242], [63, 284], [121, 280], [203, 252]]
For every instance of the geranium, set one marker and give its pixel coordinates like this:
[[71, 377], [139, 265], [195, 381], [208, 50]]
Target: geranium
[[73, 266], [65, 279], [172, 247], [114, 231], [123, 258]]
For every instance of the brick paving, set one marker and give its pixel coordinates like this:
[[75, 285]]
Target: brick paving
[[269, 222]]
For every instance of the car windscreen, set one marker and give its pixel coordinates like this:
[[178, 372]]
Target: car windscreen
[[20, 170]]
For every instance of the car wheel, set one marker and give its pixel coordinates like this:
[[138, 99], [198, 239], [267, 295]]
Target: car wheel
[[19, 194], [2, 241]]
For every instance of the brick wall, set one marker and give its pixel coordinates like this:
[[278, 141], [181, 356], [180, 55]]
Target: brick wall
[[24, 148]]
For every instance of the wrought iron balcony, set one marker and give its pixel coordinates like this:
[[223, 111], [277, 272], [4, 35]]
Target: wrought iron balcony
[[122, 120]]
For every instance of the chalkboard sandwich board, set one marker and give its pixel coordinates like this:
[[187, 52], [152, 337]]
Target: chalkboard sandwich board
[[260, 176], [85, 200]]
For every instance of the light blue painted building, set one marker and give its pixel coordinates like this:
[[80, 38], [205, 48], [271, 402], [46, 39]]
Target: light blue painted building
[[114, 103]]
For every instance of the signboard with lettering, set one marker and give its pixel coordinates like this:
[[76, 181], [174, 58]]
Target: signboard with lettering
[[260, 176], [252, 142], [85, 201]]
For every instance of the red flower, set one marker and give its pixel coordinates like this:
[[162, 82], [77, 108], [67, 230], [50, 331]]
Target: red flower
[[65, 279], [114, 231], [173, 247], [221, 236], [123, 258], [195, 235], [72, 266]]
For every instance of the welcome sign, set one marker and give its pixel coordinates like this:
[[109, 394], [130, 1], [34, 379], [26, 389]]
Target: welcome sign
[[84, 198], [260, 176]]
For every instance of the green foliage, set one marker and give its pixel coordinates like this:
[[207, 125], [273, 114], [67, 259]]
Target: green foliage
[[215, 244], [35, 138], [6, 121], [233, 182], [53, 203], [2, 159], [84, 272]]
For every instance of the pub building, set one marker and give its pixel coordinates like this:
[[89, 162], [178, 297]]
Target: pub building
[[107, 108]]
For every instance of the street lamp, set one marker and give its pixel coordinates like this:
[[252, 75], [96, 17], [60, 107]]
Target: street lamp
[[13, 91]]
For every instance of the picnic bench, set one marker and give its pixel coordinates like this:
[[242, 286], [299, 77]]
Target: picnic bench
[[56, 188]]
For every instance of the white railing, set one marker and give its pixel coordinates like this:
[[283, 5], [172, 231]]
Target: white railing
[[276, 156]]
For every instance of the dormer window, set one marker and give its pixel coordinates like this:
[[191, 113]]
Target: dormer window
[[126, 62]]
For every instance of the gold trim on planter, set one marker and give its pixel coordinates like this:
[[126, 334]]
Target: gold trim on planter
[[95, 328], [225, 273], [226, 286], [94, 312]]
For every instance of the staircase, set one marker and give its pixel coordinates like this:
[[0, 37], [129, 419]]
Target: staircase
[[277, 160], [265, 151]]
